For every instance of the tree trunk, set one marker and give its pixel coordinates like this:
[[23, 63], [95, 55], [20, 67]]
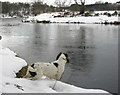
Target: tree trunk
[[82, 7]]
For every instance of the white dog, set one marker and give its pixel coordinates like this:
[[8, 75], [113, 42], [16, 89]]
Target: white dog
[[51, 70]]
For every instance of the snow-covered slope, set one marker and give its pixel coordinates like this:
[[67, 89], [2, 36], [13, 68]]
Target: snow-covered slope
[[11, 64], [50, 17]]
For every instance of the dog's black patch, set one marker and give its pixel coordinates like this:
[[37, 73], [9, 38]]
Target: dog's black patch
[[33, 74], [58, 55], [66, 57], [32, 65], [56, 64]]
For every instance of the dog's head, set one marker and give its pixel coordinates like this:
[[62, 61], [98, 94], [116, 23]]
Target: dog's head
[[64, 56]]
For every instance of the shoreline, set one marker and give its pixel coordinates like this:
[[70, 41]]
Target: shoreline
[[48, 22], [57, 18], [10, 84]]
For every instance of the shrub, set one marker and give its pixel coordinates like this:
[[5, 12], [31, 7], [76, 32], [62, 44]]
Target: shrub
[[115, 13], [119, 14], [105, 13], [66, 13], [87, 14], [91, 11], [109, 15], [97, 14]]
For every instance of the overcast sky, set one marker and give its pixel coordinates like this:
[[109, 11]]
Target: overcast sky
[[52, 1]]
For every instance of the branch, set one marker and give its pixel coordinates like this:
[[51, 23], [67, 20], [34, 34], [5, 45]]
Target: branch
[[75, 1]]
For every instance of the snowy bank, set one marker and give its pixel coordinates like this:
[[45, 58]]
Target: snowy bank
[[12, 64], [57, 18]]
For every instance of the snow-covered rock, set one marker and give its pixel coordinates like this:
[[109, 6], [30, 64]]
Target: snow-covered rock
[[10, 64]]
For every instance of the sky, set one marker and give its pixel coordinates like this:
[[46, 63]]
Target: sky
[[51, 2]]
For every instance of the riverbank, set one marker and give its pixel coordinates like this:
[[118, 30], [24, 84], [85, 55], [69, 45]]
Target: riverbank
[[11, 64], [102, 18]]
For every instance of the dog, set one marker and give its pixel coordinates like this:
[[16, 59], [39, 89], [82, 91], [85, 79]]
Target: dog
[[52, 70]]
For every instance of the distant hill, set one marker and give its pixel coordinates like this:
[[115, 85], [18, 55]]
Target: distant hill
[[96, 7]]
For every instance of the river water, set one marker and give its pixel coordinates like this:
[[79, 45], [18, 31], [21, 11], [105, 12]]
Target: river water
[[93, 49]]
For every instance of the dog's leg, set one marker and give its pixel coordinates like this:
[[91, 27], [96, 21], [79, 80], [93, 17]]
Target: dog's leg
[[58, 76], [39, 73]]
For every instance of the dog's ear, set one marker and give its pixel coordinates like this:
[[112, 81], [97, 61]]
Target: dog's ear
[[65, 55], [58, 55], [67, 58]]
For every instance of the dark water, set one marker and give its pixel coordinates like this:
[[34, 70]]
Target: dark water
[[93, 49]]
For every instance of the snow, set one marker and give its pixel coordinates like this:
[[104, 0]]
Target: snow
[[76, 19], [10, 64], [87, 20]]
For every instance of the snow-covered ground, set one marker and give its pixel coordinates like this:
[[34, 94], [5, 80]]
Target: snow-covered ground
[[10, 64], [50, 17]]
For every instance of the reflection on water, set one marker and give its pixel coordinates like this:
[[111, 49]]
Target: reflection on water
[[93, 49]]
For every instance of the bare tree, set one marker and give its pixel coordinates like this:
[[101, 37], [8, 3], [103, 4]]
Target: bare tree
[[82, 2], [62, 3], [58, 3], [69, 3], [99, 2], [38, 7], [76, 2], [40, 1], [79, 1], [82, 5]]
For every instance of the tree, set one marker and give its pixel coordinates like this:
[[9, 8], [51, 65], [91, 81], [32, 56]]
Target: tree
[[76, 2], [61, 4], [40, 1], [99, 2], [82, 10], [83, 7], [38, 7]]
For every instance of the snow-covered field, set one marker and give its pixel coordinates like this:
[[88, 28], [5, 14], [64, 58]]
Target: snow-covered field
[[50, 17], [10, 64]]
